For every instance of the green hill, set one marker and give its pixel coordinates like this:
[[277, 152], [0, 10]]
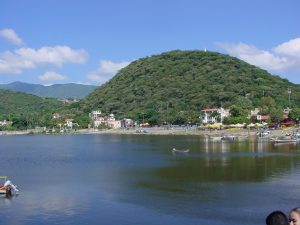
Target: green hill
[[178, 84], [60, 91], [28, 109]]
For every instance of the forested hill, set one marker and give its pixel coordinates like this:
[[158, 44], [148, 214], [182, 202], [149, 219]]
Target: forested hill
[[178, 84], [35, 109], [59, 91]]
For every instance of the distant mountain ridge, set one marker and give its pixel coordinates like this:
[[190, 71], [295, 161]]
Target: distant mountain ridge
[[60, 91]]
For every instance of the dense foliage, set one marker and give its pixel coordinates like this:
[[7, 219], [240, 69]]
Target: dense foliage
[[25, 110], [173, 87]]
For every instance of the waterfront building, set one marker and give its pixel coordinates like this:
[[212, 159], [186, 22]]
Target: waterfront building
[[108, 121], [94, 115], [209, 115]]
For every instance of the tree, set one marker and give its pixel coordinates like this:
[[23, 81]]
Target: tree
[[216, 115], [295, 114], [244, 103], [236, 111], [276, 115], [83, 120], [227, 120], [20, 123], [266, 104]]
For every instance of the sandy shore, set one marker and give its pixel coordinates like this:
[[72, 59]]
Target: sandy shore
[[158, 131], [153, 131]]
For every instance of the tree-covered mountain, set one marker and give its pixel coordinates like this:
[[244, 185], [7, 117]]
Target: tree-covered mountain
[[173, 87], [60, 91], [26, 110]]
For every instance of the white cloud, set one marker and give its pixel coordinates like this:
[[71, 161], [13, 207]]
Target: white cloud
[[28, 58], [290, 48], [11, 36], [284, 57], [106, 71], [110, 67], [51, 76]]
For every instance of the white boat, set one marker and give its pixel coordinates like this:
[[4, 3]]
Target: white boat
[[229, 137], [180, 150], [263, 134], [290, 140], [215, 138], [7, 188], [273, 138]]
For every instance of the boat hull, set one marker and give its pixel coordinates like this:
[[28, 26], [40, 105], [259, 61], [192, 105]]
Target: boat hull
[[3, 190], [180, 150], [285, 141]]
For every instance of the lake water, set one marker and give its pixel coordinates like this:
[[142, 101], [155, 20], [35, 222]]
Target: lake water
[[135, 179]]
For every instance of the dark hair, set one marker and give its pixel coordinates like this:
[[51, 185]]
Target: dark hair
[[277, 218]]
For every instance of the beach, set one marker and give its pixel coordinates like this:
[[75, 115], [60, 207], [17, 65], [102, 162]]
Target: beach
[[158, 131], [240, 132]]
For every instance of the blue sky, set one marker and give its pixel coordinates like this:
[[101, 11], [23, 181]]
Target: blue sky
[[88, 41]]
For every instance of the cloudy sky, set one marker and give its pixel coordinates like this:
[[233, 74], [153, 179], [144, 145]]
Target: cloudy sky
[[88, 41]]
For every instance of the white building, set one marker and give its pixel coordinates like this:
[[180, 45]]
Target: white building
[[69, 123], [97, 122], [126, 123], [287, 110], [4, 123], [108, 121], [112, 122], [208, 118], [95, 115]]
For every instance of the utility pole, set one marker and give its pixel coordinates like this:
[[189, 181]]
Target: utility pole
[[289, 92], [167, 113]]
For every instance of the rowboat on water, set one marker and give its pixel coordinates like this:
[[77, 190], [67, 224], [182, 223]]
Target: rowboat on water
[[229, 137], [180, 150], [7, 188], [285, 140], [215, 138]]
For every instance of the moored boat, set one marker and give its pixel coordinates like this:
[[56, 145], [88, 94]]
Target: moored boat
[[215, 138], [180, 150], [229, 137], [7, 188], [285, 140]]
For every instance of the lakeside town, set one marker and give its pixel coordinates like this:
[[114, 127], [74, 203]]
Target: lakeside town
[[212, 121]]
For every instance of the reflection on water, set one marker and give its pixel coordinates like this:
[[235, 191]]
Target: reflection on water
[[112, 179]]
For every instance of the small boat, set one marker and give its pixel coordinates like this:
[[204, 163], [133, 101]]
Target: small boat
[[273, 139], [7, 188], [229, 137], [215, 138], [180, 150], [285, 140], [263, 134]]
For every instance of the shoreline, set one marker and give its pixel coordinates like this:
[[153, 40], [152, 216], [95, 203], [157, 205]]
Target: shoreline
[[157, 131]]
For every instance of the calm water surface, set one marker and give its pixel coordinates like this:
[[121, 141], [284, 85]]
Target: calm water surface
[[134, 180]]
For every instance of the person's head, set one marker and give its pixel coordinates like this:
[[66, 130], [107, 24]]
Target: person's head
[[277, 218], [295, 216]]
